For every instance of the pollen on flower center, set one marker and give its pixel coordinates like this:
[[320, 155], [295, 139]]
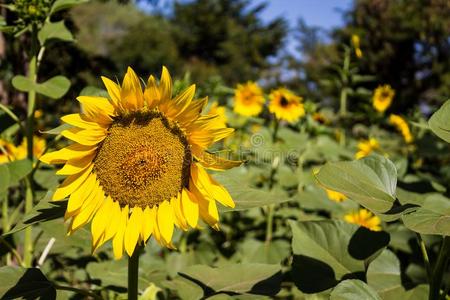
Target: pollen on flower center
[[144, 160], [284, 102]]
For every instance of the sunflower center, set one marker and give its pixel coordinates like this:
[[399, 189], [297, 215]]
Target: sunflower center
[[284, 102], [144, 160]]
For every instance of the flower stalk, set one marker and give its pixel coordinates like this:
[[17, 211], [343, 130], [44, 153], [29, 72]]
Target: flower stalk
[[133, 274], [439, 269]]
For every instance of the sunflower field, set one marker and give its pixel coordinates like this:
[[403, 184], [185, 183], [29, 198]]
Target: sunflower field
[[181, 150]]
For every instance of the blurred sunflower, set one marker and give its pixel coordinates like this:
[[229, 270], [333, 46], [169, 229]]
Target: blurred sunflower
[[220, 111], [138, 163], [401, 126], [356, 45], [286, 105], [7, 151], [382, 97], [335, 196], [10, 152], [364, 218], [248, 99], [366, 147]]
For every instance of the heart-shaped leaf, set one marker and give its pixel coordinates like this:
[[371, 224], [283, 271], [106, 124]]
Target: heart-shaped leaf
[[440, 122], [23, 84], [54, 30], [353, 289], [54, 88], [370, 181], [65, 4], [19, 283]]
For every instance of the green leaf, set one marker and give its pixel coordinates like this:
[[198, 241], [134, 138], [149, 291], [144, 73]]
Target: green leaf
[[353, 289], [18, 169], [65, 4], [384, 274], [440, 122], [258, 279], [432, 218], [58, 130], [4, 179], [25, 284], [370, 181], [54, 88], [247, 197], [23, 84], [44, 211], [54, 30], [326, 252], [94, 91]]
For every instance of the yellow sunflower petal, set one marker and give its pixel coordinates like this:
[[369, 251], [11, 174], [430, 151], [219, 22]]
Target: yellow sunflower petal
[[131, 94], [180, 219], [78, 197], [133, 229], [190, 208], [70, 152], [165, 221], [80, 120], [115, 214], [180, 103], [165, 85], [97, 109], [192, 112], [100, 222], [71, 183], [118, 237], [151, 93], [113, 91], [147, 224], [214, 162], [88, 209], [84, 136], [76, 165]]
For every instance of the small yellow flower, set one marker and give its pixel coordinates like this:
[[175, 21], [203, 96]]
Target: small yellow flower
[[335, 196], [7, 151], [364, 218], [382, 97], [248, 99], [39, 145], [356, 45], [38, 113], [401, 126], [286, 105], [365, 147], [320, 118], [220, 111]]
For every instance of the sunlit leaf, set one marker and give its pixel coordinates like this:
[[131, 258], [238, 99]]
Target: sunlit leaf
[[370, 181], [4, 179], [259, 279], [54, 30], [432, 218], [440, 122], [54, 88], [65, 4], [353, 289], [18, 169], [23, 84]]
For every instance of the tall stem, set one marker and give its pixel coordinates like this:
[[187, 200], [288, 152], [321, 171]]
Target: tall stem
[[133, 273], [5, 225], [439, 269], [29, 194], [426, 260]]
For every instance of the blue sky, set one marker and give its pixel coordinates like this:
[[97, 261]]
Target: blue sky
[[321, 13]]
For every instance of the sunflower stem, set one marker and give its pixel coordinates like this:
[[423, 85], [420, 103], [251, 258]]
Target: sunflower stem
[[439, 269], [133, 274], [32, 75], [426, 259]]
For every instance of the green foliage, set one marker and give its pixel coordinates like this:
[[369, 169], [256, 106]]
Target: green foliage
[[440, 122]]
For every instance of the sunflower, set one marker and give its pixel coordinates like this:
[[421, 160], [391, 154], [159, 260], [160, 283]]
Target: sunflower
[[382, 97], [10, 152], [286, 105], [138, 163], [248, 99], [402, 126], [365, 147], [335, 196], [220, 111], [364, 218]]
